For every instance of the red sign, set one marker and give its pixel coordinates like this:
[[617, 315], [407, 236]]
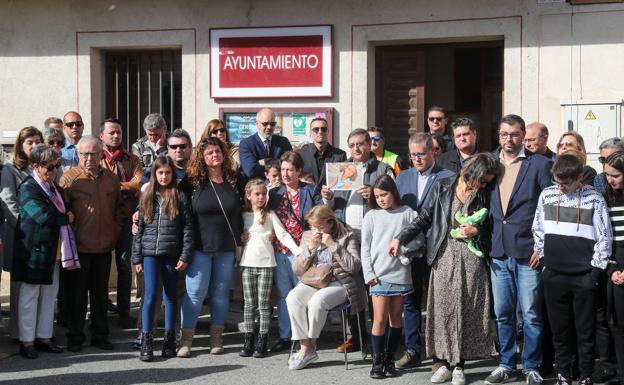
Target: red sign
[[271, 62]]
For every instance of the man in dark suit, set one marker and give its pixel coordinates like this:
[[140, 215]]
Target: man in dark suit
[[414, 186], [465, 137], [259, 149], [319, 152], [515, 277]]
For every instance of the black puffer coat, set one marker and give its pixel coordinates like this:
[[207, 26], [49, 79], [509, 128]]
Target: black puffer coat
[[437, 216], [163, 237]]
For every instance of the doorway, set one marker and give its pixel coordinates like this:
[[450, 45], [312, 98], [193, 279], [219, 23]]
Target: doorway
[[466, 79]]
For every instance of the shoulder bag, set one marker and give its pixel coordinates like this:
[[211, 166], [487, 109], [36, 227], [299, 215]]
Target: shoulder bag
[[239, 249]]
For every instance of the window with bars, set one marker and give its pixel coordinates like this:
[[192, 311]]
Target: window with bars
[[141, 82]]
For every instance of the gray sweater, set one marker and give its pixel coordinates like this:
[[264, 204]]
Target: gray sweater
[[378, 230]]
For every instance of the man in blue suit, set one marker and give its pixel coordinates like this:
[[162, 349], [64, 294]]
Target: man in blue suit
[[515, 277], [259, 149], [414, 186]]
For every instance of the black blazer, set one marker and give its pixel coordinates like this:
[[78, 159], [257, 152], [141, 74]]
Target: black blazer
[[331, 155], [450, 160], [251, 150]]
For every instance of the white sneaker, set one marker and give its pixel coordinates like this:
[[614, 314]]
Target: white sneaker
[[443, 374], [301, 362], [458, 376]]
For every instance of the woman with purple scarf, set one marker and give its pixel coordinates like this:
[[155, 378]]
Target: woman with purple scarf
[[43, 242]]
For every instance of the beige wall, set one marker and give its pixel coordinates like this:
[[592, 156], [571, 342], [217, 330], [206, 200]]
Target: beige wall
[[50, 51]]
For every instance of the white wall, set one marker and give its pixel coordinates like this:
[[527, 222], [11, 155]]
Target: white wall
[[49, 51]]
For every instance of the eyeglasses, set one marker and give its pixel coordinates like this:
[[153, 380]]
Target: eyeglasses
[[77, 123], [182, 146], [55, 142], [602, 159], [268, 124], [417, 155], [512, 135], [566, 144], [376, 138], [219, 131], [565, 185], [317, 129], [358, 144], [435, 119], [51, 167], [89, 154]]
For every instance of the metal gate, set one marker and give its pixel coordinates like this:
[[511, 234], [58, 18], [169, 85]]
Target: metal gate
[[141, 82]]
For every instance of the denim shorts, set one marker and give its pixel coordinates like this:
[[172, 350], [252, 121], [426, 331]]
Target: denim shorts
[[387, 289]]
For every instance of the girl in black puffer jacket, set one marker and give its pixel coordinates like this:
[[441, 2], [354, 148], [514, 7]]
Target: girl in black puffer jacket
[[162, 246]]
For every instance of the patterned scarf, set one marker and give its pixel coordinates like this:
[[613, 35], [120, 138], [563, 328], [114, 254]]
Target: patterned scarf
[[69, 251]]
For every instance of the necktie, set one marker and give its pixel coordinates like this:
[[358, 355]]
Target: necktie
[[267, 147]]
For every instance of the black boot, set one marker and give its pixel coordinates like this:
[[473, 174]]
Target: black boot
[[147, 347], [261, 346], [389, 369], [169, 345], [248, 346], [377, 371]]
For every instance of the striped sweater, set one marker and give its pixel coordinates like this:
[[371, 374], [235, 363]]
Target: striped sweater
[[572, 232], [616, 213]]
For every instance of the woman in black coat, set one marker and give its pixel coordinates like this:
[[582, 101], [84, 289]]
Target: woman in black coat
[[43, 224]]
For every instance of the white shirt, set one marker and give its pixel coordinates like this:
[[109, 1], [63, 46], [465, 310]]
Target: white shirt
[[423, 178], [259, 250], [521, 154]]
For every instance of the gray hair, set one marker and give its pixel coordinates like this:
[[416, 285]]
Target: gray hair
[[49, 133], [154, 121], [359, 131], [89, 139], [422, 137], [614, 142], [43, 154]]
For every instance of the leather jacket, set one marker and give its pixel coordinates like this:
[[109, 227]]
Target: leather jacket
[[436, 214]]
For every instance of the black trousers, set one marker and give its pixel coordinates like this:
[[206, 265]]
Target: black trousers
[[571, 304], [89, 284], [604, 340], [618, 327]]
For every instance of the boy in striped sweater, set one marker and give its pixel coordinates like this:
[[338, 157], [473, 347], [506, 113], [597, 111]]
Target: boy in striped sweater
[[573, 238]]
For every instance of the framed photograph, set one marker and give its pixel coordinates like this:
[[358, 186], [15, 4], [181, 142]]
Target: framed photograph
[[344, 176], [271, 62]]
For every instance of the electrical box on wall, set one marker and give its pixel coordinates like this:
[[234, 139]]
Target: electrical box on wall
[[594, 121]]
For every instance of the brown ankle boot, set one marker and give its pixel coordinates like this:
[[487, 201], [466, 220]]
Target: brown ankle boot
[[216, 342], [185, 342]]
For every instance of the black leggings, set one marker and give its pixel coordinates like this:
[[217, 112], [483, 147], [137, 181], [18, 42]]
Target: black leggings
[[618, 326]]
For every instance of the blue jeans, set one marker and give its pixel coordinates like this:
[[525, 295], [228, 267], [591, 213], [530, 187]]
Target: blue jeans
[[123, 252], [286, 280], [513, 282], [208, 271], [153, 267]]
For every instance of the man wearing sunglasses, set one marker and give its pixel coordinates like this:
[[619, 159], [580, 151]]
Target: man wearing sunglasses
[[153, 143], [73, 128], [316, 154], [128, 169], [258, 150], [378, 147], [437, 123]]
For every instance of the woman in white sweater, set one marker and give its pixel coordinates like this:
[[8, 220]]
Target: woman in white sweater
[[257, 264], [389, 279]]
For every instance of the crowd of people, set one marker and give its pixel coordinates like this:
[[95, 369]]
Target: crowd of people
[[519, 250]]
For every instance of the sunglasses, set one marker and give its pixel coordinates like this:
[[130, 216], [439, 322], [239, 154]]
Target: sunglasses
[[77, 123], [55, 143], [562, 184], [317, 129], [602, 159], [567, 144], [376, 138], [435, 119], [51, 167], [182, 146], [268, 124], [219, 131]]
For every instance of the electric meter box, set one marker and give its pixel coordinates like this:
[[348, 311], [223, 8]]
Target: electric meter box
[[594, 121]]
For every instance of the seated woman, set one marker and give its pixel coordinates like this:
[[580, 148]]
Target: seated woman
[[327, 243]]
